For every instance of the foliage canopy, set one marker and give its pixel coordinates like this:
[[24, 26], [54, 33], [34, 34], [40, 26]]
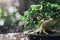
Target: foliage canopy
[[39, 12]]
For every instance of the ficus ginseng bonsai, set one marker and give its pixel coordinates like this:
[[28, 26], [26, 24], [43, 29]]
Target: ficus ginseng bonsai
[[45, 11]]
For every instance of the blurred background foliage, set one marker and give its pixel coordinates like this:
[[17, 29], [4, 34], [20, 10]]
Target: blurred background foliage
[[9, 20], [20, 15]]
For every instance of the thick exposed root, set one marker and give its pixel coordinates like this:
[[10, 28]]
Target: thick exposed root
[[46, 32]]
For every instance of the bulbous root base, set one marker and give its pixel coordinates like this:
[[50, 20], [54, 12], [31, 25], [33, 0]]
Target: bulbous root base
[[45, 28]]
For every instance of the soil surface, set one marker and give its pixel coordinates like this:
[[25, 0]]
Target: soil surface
[[13, 36]]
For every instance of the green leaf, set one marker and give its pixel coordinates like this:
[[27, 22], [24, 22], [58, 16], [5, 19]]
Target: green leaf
[[22, 18], [56, 5], [35, 7]]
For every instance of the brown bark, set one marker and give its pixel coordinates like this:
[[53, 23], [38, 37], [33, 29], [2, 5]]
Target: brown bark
[[45, 27]]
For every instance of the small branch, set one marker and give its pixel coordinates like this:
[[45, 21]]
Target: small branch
[[57, 32]]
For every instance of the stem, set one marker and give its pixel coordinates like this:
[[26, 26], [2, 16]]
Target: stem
[[57, 32]]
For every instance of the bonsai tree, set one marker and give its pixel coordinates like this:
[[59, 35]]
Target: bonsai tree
[[44, 15]]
